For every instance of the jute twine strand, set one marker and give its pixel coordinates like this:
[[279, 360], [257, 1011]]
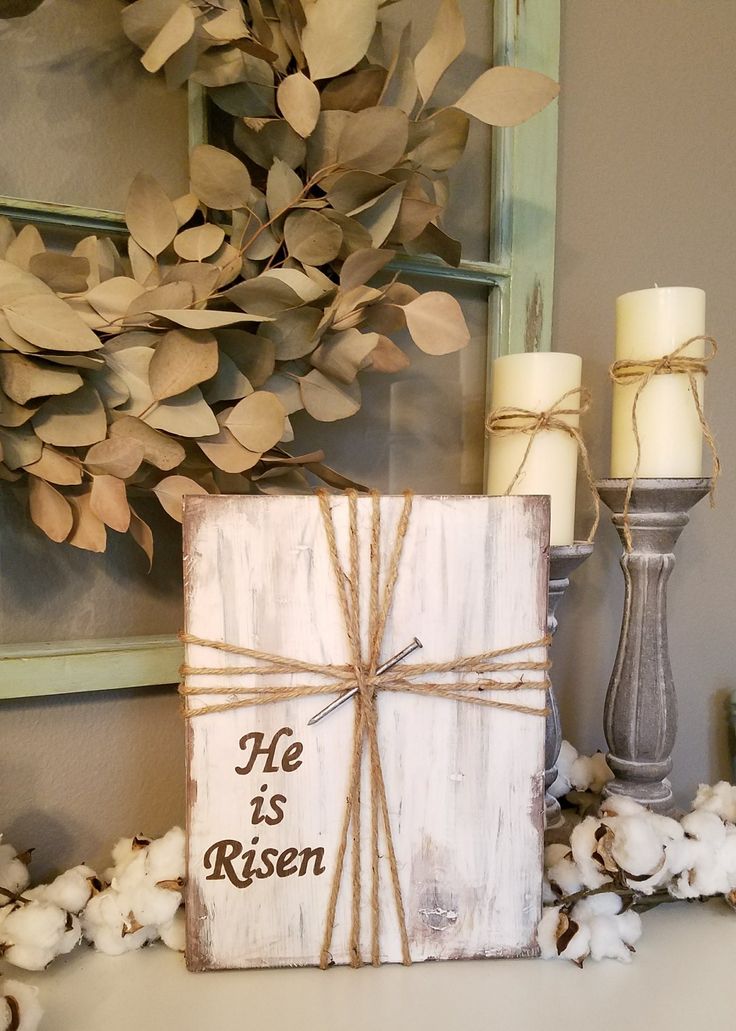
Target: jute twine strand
[[630, 370], [510, 419], [360, 672]]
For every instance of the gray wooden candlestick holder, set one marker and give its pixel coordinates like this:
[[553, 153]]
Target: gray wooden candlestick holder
[[641, 706], [563, 561]]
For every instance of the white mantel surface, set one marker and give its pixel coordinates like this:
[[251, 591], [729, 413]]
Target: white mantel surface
[[681, 977]]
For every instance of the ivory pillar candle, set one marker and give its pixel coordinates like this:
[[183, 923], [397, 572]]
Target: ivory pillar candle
[[650, 324], [535, 382]]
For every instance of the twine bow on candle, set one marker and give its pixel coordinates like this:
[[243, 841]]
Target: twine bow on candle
[[362, 673], [628, 371], [511, 419]]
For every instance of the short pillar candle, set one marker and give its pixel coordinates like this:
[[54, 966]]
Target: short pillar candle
[[536, 382], [649, 325]]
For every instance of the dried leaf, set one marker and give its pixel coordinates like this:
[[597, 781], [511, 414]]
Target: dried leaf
[[142, 20], [23, 379], [380, 218], [283, 188], [182, 359], [387, 357], [45, 321], [56, 468], [178, 295], [311, 238], [88, 531], [362, 265], [327, 400], [201, 318], [113, 298], [64, 273], [109, 502], [185, 206], [293, 334], [433, 241], [298, 100], [202, 276], [436, 323], [12, 414], [140, 531], [438, 142], [355, 91], [219, 179], [199, 242], [337, 35], [115, 456], [49, 510], [257, 422], [7, 234], [73, 420], [342, 355], [275, 139], [228, 385], [353, 191], [445, 44], [150, 215], [19, 446], [507, 96], [374, 140], [158, 449], [264, 295], [24, 247], [253, 355], [322, 144], [132, 366], [226, 452], [170, 492], [187, 415], [177, 31]]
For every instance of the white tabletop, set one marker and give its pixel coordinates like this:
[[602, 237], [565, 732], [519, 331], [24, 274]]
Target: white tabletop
[[681, 977]]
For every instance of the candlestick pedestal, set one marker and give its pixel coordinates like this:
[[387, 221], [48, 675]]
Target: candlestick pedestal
[[563, 561], [641, 707]]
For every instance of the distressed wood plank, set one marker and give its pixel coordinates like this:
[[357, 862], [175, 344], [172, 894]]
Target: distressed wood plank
[[464, 782]]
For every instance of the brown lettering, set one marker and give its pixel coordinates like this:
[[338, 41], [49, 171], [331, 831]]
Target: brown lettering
[[283, 867]]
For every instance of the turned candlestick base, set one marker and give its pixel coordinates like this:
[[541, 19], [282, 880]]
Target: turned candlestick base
[[641, 706], [563, 561]]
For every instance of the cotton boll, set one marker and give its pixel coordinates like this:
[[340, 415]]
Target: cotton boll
[[555, 927], [611, 937], [719, 799], [173, 934], [601, 773], [637, 847], [583, 844], [166, 861], [608, 903], [36, 933], [13, 871], [562, 871], [704, 826], [24, 1012], [124, 852], [565, 759], [107, 923], [621, 805], [72, 890]]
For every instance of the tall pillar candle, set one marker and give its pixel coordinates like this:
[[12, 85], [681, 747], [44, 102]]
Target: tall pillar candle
[[535, 382], [649, 325]]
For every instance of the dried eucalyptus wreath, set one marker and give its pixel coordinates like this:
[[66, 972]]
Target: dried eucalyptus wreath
[[174, 368]]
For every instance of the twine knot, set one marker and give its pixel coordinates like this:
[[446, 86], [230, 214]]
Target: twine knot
[[471, 675], [628, 371], [510, 419]]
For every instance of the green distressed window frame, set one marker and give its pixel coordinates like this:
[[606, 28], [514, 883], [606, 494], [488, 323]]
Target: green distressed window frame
[[519, 276]]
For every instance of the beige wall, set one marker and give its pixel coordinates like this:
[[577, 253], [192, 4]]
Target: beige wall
[[647, 169], [646, 193]]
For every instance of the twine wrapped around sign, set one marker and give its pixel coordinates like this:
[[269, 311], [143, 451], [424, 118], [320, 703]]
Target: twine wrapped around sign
[[628, 371], [511, 419], [361, 672]]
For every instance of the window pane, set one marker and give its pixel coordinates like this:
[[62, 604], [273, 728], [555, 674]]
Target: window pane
[[81, 117], [422, 428]]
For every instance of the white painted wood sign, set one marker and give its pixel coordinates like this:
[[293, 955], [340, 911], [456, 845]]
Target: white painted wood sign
[[463, 781]]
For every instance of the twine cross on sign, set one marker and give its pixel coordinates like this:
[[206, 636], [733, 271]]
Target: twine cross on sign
[[636, 370], [363, 673], [511, 419]]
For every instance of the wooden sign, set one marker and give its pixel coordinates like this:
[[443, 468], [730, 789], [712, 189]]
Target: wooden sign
[[408, 827]]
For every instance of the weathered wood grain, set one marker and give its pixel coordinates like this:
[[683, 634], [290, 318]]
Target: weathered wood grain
[[464, 782]]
